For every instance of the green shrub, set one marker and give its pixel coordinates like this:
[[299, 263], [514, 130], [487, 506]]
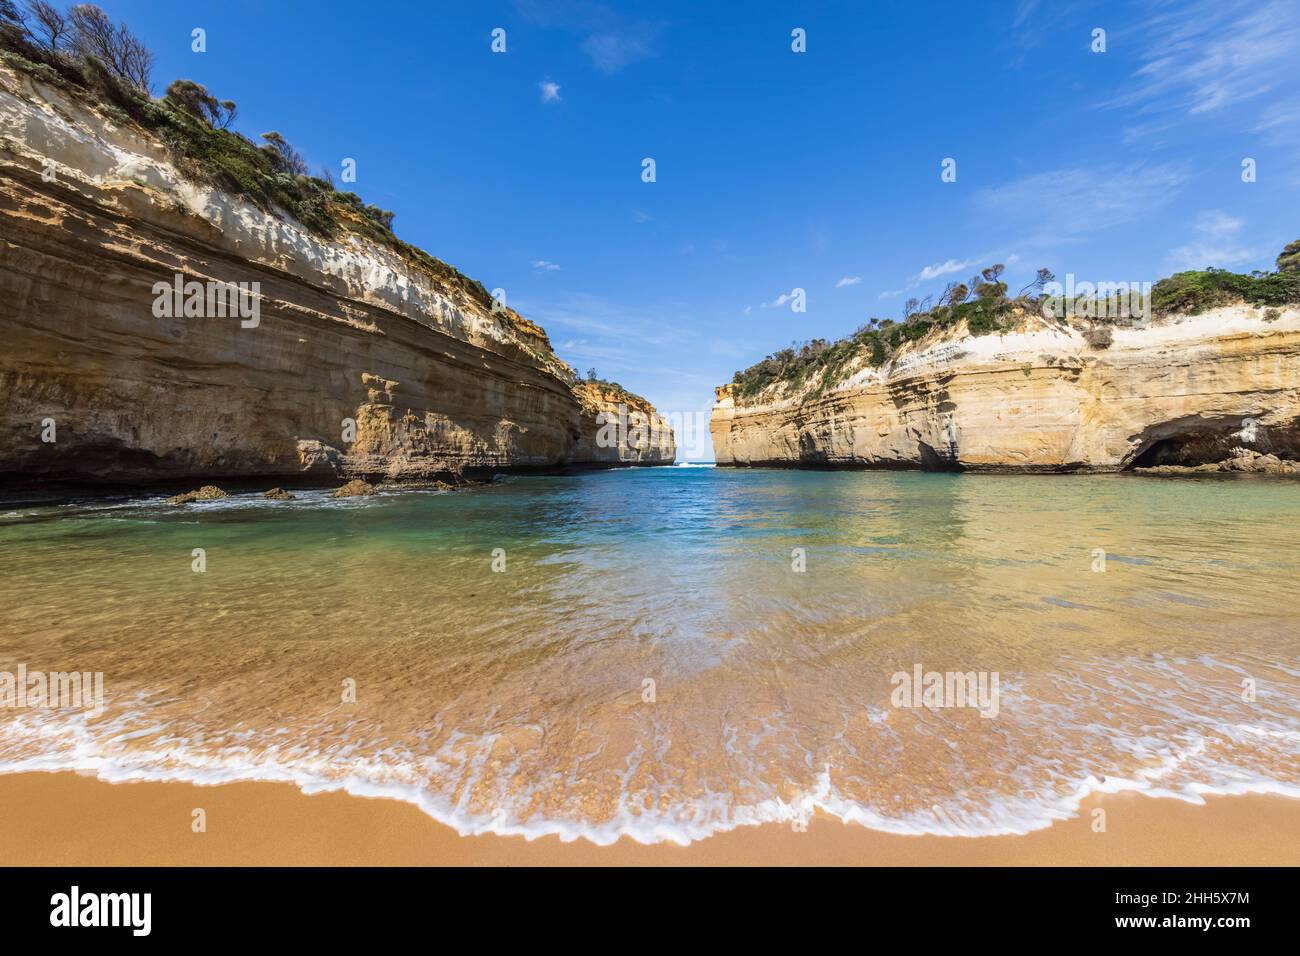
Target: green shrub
[[824, 363], [1185, 293], [1289, 259], [1190, 293], [191, 122]]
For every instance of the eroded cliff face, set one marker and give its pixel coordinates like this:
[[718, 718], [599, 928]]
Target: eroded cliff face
[[1185, 391], [361, 361], [619, 428]]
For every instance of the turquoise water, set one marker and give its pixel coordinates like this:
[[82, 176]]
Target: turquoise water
[[673, 651]]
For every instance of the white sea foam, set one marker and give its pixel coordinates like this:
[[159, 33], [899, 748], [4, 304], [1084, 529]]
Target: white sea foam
[[1185, 769]]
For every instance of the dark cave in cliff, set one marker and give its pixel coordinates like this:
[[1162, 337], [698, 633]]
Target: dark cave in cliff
[[1212, 441]]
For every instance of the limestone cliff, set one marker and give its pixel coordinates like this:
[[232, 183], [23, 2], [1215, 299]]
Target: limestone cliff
[[1184, 391], [619, 428], [364, 358]]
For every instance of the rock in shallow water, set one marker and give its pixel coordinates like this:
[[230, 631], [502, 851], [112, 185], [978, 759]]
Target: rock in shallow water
[[206, 493], [354, 488], [279, 494], [1242, 460]]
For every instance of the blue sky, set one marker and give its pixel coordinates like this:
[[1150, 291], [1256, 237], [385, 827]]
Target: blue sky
[[775, 170]]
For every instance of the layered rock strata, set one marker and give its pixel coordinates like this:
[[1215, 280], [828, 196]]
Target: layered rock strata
[[336, 357], [1184, 391]]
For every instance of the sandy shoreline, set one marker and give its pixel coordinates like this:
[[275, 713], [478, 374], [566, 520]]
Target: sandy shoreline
[[65, 819]]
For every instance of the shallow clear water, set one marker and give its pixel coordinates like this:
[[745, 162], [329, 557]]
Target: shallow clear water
[[518, 702]]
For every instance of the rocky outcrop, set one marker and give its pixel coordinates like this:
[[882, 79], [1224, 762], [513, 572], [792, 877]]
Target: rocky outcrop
[[619, 428], [340, 356], [356, 488], [1239, 460], [206, 493], [1185, 391]]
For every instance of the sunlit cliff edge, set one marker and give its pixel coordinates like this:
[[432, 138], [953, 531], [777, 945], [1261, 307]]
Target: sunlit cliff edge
[[368, 358], [1183, 391]]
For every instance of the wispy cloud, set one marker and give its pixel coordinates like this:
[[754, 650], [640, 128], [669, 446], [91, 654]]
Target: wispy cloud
[[610, 38], [1212, 55], [942, 269], [848, 280], [614, 323], [1280, 123], [541, 265], [1216, 243], [550, 91], [779, 301], [1076, 201], [630, 342], [1024, 10], [1218, 224], [613, 51]]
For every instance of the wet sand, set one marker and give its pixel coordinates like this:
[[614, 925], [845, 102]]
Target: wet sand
[[65, 819], [650, 663]]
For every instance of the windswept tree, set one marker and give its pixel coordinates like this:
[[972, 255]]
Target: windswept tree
[[1289, 260], [228, 113], [910, 307], [384, 217], [992, 287], [1035, 288], [284, 157], [93, 35], [195, 99], [49, 28]]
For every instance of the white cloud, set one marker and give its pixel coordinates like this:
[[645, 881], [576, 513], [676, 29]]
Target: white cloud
[[610, 38], [942, 269], [779, 301], [611, 51], [1212, 55], [1024, 10], [1076, 201], [848, 280], [1280, 123], [550, 91], [1218, 224], [543, 266], [1215, 244], [892, 293]]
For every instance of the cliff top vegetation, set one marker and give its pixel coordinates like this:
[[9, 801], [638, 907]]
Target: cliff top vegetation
[[821, 363], [83, 53]]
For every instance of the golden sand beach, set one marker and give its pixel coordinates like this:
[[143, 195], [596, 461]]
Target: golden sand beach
[[64, 819], [669, 686]]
